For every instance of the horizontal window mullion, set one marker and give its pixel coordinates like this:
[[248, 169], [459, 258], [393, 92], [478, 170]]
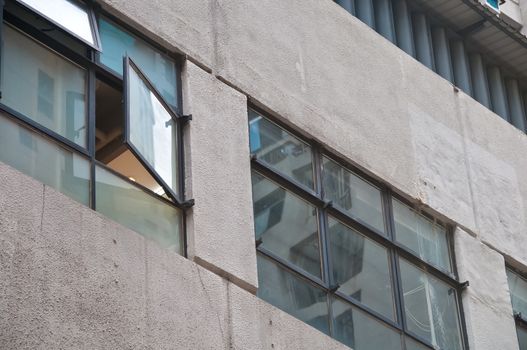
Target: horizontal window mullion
[[400, 249], [56, 46], [266, 170], [141, 187], [418, 339], [294, 269], [35, 126], [369, 311]]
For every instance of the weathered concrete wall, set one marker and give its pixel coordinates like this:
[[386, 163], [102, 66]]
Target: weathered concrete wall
[[328, 74], [72, 279], [322, 71], [220, 227]]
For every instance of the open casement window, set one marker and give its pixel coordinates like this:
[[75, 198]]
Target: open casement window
[[152, 131], [71, 16]]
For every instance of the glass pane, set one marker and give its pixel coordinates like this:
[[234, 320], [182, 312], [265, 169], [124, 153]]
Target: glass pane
[[361, 268], [45, 161], [522, 337], [287, 225], [128, 205], [153, 132], [359, 331], [518, 291], [430, 308], [280, 149], [54, 90], [354, 195], [413, 345], [160, 70], [424, 237], [292, 294], [67, 14]]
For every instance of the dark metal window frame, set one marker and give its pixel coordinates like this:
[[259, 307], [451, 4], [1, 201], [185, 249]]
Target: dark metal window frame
[[95, 70], [396, 250], [91, 18], [519, 318]]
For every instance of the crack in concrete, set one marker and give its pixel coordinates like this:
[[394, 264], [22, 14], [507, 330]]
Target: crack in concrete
[[209, 300]]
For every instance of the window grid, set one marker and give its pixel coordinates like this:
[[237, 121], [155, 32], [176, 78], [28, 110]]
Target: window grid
[[89, 61], [396, 250]]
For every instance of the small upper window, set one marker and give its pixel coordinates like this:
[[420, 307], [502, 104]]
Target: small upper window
[[494, 4], [70, 16]]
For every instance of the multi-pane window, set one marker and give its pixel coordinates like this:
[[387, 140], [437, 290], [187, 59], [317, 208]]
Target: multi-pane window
[[518, 292], [346, 255], [96, 115]]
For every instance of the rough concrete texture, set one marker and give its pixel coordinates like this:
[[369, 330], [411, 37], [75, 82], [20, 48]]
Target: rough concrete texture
[[488, 311], [220, 226], [72, 279], [338, 81]]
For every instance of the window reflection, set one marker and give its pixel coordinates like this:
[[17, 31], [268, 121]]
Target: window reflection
[[287, 225], [430, 308], [153, 131], [360, 331], [281, 150], [292, 294], [426, 238], [361, 268], [54, 88]]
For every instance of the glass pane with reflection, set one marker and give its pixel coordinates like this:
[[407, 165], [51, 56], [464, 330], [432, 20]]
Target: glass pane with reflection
[[354, 195], [522, 337], [131, 207], [413, 345], [158, 68], [153, 131], [67, 14], [44, 160], [518, 291], [430, 308], [292, 294], [426, 238], [286, 224], [361, 268], [280, 149], [43, 86], [360, 331]]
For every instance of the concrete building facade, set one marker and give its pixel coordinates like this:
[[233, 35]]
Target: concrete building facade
[[431, 116]]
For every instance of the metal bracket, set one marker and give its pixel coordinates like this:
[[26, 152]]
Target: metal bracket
[[188, 203], [327, 204], [258, 242], [254, 157], [334, 288], [186, 118], [464, 285]]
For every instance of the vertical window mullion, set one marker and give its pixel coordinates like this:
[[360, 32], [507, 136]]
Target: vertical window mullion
[[394, 259], [91, 129]]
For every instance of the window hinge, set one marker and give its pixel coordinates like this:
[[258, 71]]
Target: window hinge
[[327, 204], [186, 118], [188, 203], [334, 288]]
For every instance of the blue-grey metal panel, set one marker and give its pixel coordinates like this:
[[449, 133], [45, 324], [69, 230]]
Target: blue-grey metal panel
[[423, 42], [479, 79], [497, 92], [384, 19], [348, 5], [516, 106], [364, 11], [460, 66], [442, 53], [403, 26]]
